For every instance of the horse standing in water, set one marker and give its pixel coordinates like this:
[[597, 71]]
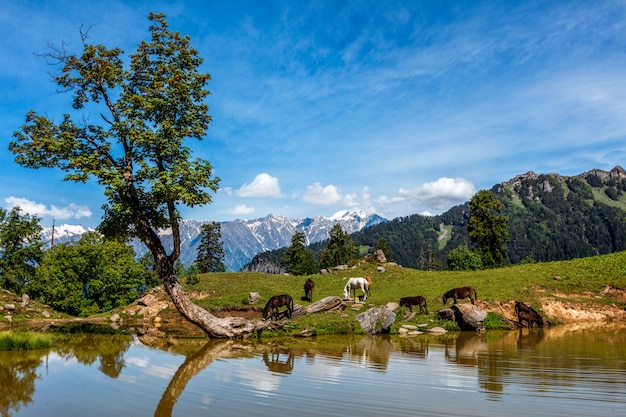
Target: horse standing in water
[[356, 283], [459, 294], [309, 286], [274, 303]]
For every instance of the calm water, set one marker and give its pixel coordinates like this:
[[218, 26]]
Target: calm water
[[561, 371]]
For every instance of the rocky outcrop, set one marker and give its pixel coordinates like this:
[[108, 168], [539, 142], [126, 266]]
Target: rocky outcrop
[[469, 316], [376, 320]]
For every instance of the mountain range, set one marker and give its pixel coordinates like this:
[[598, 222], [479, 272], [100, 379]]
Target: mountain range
[[551, 217], [241, 239]]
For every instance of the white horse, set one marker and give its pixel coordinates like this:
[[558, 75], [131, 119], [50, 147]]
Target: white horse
[[355, 283]]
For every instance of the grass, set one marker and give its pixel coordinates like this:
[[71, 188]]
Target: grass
[[530, 282], [24, 340]]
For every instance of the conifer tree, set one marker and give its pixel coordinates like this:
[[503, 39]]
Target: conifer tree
[[210, 252], [339, 250], [298, 259]]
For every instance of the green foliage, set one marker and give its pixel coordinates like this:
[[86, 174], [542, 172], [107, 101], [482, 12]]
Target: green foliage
[[339, 249], [487, 229], [384, 246], [463, 259], [298, 259], [21, 249], [210, 252], [137, 150], [24, 340], [89, 276]]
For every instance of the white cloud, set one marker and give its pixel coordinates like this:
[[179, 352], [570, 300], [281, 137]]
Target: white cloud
[[440, 194], [242, 209], [71, 211], [317, 194], [264, 185]]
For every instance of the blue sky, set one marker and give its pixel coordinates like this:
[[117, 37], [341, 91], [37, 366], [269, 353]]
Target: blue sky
[[393, 107]]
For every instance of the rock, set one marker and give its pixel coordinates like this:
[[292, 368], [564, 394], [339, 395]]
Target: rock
[[469, 316], [380, 269], [9, 307], [379, 256], [410, 316], [9, 319], [115, 318], [25, 300], [376, 320], [146, 300], [45, 314], [253, 297], [393, 306], [446, 314], [436, 330]]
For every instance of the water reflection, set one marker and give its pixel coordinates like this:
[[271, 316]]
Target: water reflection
[[564, 364]]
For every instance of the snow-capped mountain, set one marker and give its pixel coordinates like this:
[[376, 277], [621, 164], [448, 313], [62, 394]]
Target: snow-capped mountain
[[63, 233], [243, 239]]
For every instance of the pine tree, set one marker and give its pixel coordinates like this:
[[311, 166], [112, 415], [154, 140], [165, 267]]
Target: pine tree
[[298, 259], [210, 252], [339, 250]]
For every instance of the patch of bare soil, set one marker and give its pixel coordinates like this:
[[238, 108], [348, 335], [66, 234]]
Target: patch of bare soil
[[558, 311], [248, 313]]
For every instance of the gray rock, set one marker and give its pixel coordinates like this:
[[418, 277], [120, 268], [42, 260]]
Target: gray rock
[[25, 300], [376, 320], [469, 317], [253, 297], [446, 314]]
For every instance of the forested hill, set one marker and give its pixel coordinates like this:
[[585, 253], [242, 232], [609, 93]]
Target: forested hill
[[551, 217]]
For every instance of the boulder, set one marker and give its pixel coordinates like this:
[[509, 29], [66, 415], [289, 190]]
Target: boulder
[[25, 300], [446, 314], [376, 320], [469, 316], [253, 297]]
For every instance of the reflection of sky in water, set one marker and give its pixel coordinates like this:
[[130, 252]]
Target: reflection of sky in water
[[349, 382]]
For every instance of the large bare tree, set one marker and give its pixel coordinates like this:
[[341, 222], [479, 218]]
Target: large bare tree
[[137, 149]]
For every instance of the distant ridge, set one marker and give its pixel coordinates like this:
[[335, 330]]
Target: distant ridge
[[242, 239]]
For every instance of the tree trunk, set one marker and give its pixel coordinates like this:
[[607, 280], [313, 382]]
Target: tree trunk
[[215, 327]]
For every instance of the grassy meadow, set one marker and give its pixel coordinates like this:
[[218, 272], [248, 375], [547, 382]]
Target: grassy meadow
[[580, 280]]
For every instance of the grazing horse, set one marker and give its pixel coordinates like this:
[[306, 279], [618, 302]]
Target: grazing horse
[[275, 302], [526, 312], [309, 286], [418, 300], [355, 283], [459, 294]]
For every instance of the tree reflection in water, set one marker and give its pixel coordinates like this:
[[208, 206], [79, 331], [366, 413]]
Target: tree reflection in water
[[18, 373], [18, 370], [527, 363]]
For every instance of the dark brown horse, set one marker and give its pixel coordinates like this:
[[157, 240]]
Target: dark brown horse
[[459, 294], [309, 286], [526, 312], [417, 300], [274, 303]]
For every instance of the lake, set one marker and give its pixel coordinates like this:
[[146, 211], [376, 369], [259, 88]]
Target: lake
[[566, 370]]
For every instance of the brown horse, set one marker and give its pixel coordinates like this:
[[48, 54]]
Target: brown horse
[[275, 302], [417, 300], [459, 294], [526, 312], [309, 286]]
